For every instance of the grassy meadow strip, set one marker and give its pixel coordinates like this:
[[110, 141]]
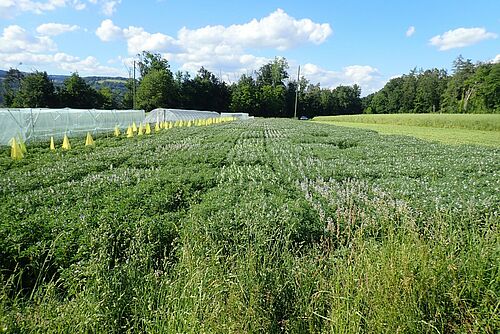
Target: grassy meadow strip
[[259, 226], [484, 122], [453, 136]]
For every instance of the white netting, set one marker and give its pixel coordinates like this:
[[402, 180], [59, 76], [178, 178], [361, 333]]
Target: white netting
[[236, 115], [35, 124], [172, 115]]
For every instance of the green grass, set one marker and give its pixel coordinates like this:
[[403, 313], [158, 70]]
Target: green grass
[[112, 81], [454, 129], [262, 226], [484, 122], [444, 135]]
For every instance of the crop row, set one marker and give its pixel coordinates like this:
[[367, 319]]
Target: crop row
[[257, 226]]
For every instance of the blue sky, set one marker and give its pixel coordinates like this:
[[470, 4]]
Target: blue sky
[[335, 42]]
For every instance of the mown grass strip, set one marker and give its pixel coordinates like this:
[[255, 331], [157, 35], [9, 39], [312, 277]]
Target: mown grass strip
[[444, 135], [485, 122]]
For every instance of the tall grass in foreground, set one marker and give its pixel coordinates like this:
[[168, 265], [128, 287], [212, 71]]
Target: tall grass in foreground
[[262, 226], [486, 122]]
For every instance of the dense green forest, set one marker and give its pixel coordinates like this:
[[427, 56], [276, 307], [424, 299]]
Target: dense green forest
[[472, 88], [269, 91]]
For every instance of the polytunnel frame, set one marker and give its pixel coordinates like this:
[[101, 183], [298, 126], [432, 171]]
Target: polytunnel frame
[[170, 115], [31, 124]]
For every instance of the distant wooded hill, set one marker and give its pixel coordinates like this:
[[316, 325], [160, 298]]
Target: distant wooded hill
[[116, 84]]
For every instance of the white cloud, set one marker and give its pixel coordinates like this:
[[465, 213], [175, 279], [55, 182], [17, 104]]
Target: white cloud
[[89, 66], [360, 73], [15, 39], [79, 5], [54, 29], [138, 40], [496, 59], [410, 31], [367, 77], [40, 53], [460, 37], [109, 7], [107, 31], [222, 48], [58, 62], [11, 8], [278, 30]]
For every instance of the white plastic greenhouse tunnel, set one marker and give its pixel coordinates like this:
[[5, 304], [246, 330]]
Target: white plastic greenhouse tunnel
[[236, 115], [38, 124], [172, 115]]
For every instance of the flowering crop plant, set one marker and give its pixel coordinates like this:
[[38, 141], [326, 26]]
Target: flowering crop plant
[[260, 226]]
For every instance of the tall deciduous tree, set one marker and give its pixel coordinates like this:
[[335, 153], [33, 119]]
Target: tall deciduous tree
[[36, 91], [245, 96], [272, 87], [157, 87], [458, 88], [157, 90], [207, 92], [76, 93], [152, 62], [11, 85]]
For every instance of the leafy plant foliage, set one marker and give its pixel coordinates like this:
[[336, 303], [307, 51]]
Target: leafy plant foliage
[[260, 226]]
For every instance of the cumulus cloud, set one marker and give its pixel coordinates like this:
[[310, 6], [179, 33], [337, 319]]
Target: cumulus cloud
[[54, 29], [15, 39], [107, 31], [460, 37], [138, 40], [11, 8], [367, 77], [61, 62], [496, 59], [108, 7], [410, 31], [222, 47], [40, 52], [278, 30]]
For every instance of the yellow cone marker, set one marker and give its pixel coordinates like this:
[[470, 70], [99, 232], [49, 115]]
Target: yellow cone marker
[[52, 146], [140, 131], [130, 132], [148, 129], [89, 141], [66, 145], [22, 145], [157, 127], [15, 153], [117, 131], [134, 127]]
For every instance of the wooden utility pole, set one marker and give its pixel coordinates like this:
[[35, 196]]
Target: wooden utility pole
[[297, 93], [134, 89]]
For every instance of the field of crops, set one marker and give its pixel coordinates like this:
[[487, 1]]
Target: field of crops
[[262, 226]]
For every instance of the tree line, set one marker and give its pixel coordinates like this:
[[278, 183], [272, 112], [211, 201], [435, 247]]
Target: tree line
[[471, 88], [36, 90], [267, 92]]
